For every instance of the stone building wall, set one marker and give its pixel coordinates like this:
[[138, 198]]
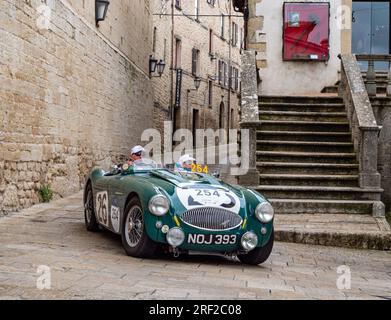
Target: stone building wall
[[195, 34], [265, 36], [71, 96]]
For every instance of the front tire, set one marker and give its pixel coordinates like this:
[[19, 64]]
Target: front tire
[[258, 255], [89, 211], [134, 236]]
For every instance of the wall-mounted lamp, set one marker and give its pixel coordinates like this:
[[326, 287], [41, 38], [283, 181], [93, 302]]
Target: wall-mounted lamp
[[101, 7], [155, 65], [197, 83]]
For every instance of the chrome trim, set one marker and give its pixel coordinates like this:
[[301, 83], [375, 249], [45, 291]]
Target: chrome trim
[[211, 219]]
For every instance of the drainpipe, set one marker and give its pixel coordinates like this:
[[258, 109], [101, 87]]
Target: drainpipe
[[246, 13], [172, 107]]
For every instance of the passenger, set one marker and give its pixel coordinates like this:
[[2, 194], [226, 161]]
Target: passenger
[[184, 163], [135, 154]]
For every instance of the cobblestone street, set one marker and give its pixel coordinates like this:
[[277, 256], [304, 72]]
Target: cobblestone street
[[94, 266]]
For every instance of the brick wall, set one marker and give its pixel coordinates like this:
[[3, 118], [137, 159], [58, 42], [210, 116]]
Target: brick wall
[[70, 96], [195, 34]]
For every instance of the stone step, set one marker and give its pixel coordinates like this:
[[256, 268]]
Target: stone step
[[339, 230], [302, 107], [307, 168], [321, 206], [380, 76], [323, 126], [308, 180], [305, 157], [381, 86], [303, 116], [304, 136], [318, 192], [330, 89], [301, 99], [305, 146]]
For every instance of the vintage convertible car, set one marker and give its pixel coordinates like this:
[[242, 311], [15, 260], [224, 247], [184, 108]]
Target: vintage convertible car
[[182, 212]]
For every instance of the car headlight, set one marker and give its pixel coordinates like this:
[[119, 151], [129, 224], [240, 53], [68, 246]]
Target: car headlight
[[159, 205], [175, 236], [249, 241], [264, 212]]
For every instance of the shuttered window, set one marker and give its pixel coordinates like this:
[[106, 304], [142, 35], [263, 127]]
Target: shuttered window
[[195, 62]]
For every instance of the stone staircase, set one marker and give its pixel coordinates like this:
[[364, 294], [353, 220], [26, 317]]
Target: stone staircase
[[306, 157], [308, 166]]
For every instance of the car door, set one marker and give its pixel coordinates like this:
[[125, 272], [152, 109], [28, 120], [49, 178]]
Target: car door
[[102, 200]]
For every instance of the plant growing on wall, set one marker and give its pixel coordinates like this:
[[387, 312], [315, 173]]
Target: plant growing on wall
[[46, 193]]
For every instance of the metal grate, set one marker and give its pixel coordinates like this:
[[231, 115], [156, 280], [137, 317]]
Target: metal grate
[[212, 219]]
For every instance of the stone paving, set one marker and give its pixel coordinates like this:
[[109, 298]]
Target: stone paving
[[86, 265]]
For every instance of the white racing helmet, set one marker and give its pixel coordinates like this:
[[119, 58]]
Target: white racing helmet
[[137, 149], [185, 158]]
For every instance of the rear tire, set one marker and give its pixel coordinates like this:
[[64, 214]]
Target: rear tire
[[89, 211], [134, 235], [258, 255]]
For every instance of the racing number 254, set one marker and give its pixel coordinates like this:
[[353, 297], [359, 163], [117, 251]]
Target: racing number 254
[[199, 168]]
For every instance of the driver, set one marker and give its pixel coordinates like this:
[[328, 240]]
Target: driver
[[135, 154], [184, 163]]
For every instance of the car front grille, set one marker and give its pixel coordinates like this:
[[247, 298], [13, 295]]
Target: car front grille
[[214, 219]]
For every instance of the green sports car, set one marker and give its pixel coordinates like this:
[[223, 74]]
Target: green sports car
[[182, 212]]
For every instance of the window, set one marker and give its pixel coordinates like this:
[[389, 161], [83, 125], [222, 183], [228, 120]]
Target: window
[[195, 125], [231, 77], [154, 40], [178, 54], [222, 21], [197, 9], [221, 75], [221, 115], [225, 75], [164, 49], [234, 36], [195, 62], [241, 39], [236, 79], [210, 93], [210, 41]]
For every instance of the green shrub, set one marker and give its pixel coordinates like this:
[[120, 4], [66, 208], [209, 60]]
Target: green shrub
[[46, 193]]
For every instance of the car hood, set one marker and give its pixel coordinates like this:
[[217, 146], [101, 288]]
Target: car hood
[[204, 191]]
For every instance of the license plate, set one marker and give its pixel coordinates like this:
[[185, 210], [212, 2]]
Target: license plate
[[211, 239]]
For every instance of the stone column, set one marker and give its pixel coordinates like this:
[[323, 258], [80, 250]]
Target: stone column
[[250, 116], [371, 79], [346, 24]]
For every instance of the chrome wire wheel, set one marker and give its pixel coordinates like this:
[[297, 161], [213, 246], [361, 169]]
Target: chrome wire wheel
[[134, 226]]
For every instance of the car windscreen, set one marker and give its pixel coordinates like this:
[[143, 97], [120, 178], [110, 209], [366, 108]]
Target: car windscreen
[[143, 165]]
